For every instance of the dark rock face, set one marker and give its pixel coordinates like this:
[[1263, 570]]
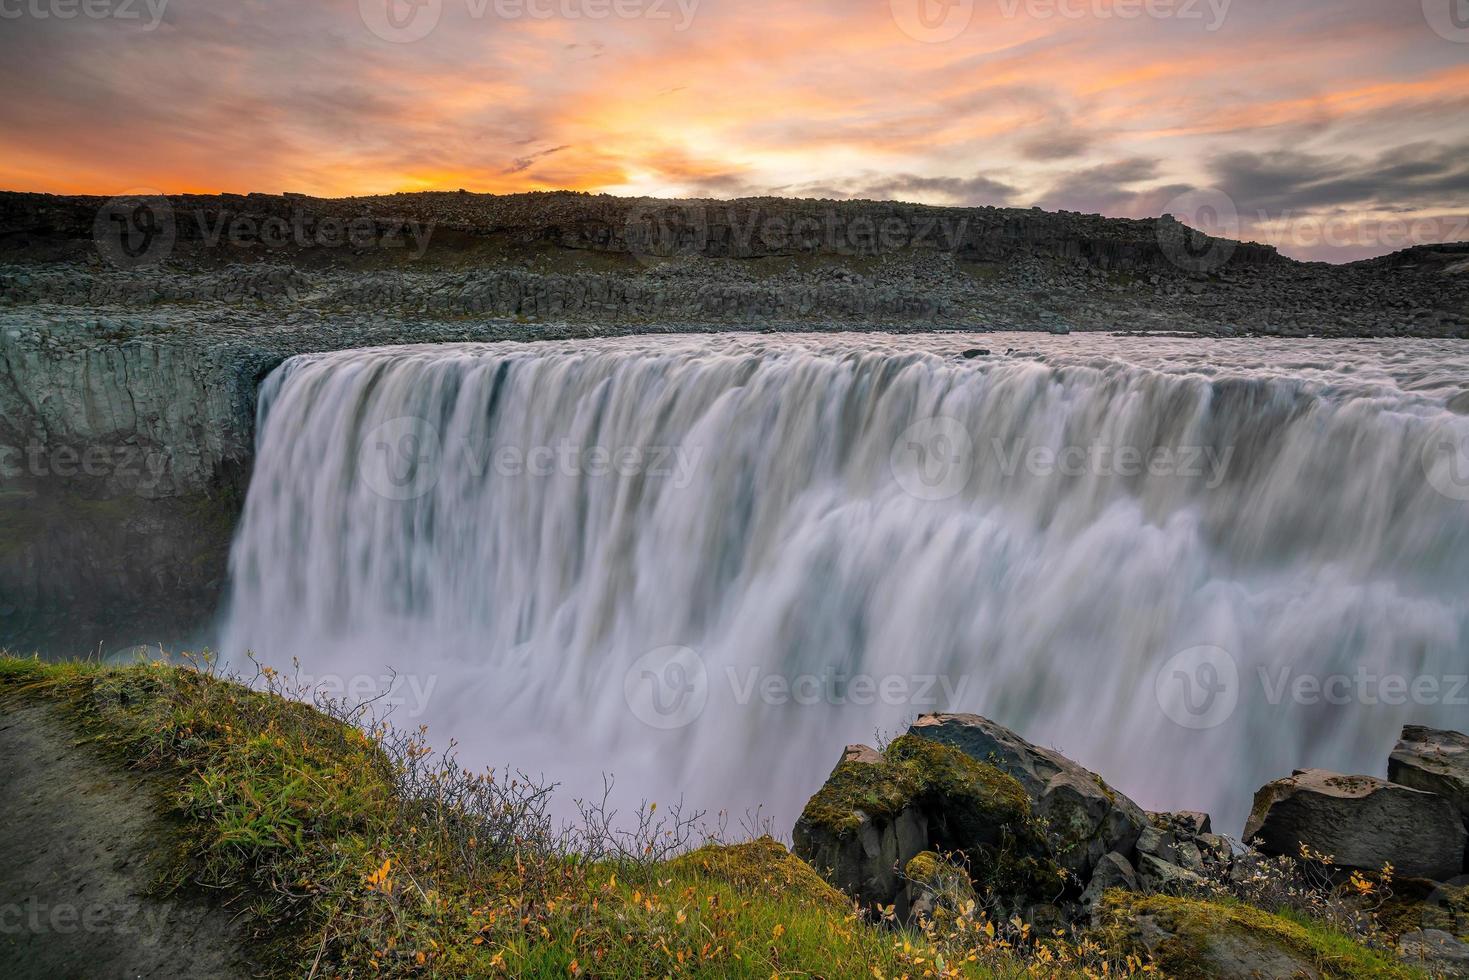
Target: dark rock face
[[1435, 762], [1360, 822], [1085, 817]]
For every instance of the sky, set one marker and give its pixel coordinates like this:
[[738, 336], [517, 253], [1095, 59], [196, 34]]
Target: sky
[[1336, 129]]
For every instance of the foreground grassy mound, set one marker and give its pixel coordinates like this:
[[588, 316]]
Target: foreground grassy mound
[[346, 873], [358, 851]]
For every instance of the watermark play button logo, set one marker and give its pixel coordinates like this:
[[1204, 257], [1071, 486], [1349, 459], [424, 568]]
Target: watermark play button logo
[[1198, 688], [1446, 459], [1448, 18], [401, 21], [135, 230], [401, 459], [933, 21], [667, 688], [933, 459]]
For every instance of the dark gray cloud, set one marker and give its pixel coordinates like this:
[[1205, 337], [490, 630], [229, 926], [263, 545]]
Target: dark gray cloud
[[524, 163], [971, 191], [1423, 174], [1059, 144], [1111, 188]]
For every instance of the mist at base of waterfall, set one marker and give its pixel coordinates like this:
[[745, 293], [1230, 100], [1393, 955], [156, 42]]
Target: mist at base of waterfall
[[706, 563]]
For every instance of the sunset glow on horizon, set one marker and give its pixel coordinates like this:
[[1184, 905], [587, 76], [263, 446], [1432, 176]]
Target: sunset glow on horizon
[[1108, 106]]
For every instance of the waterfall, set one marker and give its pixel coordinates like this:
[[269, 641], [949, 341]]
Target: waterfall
[[704, 564]]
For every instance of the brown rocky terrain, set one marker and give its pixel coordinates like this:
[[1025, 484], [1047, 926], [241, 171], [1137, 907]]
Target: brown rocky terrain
[[622, 262]]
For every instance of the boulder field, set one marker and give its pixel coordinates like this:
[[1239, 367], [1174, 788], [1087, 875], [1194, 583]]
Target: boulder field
[[961, 810]]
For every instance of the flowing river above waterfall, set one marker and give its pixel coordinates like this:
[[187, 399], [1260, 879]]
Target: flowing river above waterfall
[[705, 563]]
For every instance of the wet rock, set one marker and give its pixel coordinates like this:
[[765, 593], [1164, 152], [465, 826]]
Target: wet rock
[[1084, 816], [1360, 822]]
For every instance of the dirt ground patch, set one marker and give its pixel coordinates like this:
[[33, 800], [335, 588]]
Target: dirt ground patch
[[77, 869]]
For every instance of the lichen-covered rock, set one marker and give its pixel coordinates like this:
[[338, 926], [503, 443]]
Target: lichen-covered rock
[[1417, 904], [1085, 818], [1183, 822], [878, 811], [1360, 822], [1168, 877], [938, 889], [1190, 939]]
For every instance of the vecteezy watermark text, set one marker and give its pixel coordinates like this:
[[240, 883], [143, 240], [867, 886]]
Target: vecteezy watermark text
[[939, 21], [142, 228], [670, 687], [935, 459], [404, 459], [405, 695], [406, 21], [1201, 687], [134, 466], [150, 12], [655, 232], [37, 917]]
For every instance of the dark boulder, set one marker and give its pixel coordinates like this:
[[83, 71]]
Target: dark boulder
[[1435, 762], [1085, 818], [879, 811], [1359, 822]]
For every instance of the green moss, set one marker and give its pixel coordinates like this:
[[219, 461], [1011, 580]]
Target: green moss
[[1198, 933], [943, 772], [878, 790], [762, 865], [925, 868]]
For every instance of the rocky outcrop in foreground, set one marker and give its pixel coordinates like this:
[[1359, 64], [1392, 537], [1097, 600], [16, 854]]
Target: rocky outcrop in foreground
[[961, 811], [1361, 822]]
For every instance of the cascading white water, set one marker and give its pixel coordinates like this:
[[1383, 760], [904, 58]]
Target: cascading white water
[[705, 564]]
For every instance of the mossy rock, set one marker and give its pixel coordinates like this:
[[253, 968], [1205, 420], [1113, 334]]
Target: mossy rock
[[967, 801], [763, 867], [879, 790], [1198, 940], [937, 888]]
